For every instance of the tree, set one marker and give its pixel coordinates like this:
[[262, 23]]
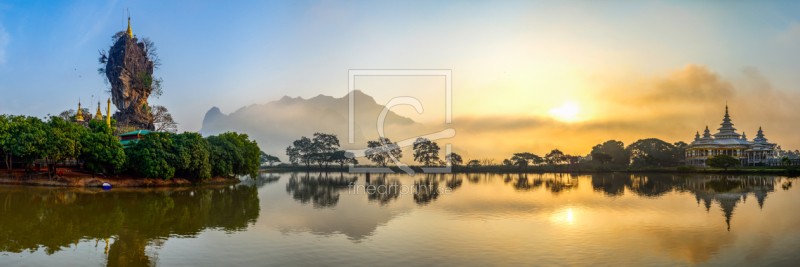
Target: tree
[[554, 157], [653, 152], [248, 151], [379, 154], [192, 156], [152, 156], [101, 151], [267, 158], [474, 163], [342, 157], [601, 157], [293, 153], [302, 151], [454, 159], [162, 120], [570, 159], [615, 149], [29, 139], [507, 162], [679, 150], [786, 161], [7, 139], [63, 142], [325, 145], [524, 156], [722, 161], [521, 162], [426, 151]]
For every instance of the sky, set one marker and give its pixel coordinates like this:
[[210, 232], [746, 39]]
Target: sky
[[566, 74]]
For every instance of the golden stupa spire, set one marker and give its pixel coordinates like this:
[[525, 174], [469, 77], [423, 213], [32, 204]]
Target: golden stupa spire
[[99, 115], [129, 32], [79, 117], [108, 113]]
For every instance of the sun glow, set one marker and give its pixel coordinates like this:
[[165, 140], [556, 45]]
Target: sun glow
[[567, 112]]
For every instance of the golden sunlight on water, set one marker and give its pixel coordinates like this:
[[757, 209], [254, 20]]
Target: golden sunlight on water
[[488, 219]]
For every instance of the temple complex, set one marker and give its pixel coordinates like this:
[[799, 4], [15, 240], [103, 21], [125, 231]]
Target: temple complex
[[727, 141], [82, 119]]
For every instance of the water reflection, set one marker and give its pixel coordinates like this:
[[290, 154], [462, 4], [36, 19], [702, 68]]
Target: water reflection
[[55, 218], [315, 214], [386, 189], [322, 191]]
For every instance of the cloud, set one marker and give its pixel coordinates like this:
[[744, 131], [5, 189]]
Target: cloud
[[4, 40], [671, 106]]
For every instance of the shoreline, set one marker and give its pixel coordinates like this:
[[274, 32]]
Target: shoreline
[[116, 182]]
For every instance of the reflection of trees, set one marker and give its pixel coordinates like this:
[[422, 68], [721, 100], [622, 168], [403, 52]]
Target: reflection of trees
[[385, 190], [57, 218], [323, 192], [261, 180], [430, 188], [561, 182], [524, 183], [426, 189], [611, 184]]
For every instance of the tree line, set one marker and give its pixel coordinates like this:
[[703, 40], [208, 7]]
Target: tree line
[[323, 149], [163, 155]]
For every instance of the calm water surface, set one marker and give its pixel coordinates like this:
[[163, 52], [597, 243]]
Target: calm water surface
[[488, 219]]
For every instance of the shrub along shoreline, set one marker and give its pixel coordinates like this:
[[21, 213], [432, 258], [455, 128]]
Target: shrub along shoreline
[[158, 155]]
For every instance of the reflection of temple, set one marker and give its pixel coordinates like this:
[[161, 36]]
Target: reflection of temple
[[729, 191], [758, 152], [726, 191]]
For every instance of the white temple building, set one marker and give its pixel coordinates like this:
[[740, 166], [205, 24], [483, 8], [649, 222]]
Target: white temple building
[[758, 152]]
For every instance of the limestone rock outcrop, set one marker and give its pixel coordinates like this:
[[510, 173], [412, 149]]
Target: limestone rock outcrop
[[129, 72]]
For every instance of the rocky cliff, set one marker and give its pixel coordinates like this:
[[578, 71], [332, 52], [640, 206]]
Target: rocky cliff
[[129, 71]]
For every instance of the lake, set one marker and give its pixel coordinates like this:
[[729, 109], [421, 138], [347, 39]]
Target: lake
[[340, 219]]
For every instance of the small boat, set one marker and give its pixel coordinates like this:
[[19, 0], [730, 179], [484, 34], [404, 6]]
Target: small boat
[[106, 186]]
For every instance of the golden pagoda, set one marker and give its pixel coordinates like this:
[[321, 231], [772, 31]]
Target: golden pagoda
[[99, 115], [108, 113], [129, 32], [79, 117]]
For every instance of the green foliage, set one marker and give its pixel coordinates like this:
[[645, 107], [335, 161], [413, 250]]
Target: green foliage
[[192, 156], [63, 142], [234, 154], [98, 126], [28, 139], [102, 151], [152, 156], [723, 161]]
